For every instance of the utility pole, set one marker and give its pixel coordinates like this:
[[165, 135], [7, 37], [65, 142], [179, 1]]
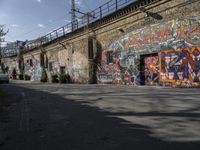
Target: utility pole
[[73, 15], [86, 20]]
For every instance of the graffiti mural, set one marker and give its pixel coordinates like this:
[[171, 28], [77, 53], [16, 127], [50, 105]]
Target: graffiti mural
[[105, 70], [181, 67], [174, 34], [33, 69], [150, 71], [125, 67]]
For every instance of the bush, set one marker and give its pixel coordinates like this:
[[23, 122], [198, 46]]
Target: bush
[[27, 77], [62, 78], [43, 76], [20, 76], [55, 78]]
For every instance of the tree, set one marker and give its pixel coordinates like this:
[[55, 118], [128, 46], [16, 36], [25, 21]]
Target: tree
[[2, 34]]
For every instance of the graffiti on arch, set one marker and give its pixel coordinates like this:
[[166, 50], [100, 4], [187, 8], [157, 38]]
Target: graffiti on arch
[[122, 70], [33, 69], [180, 67], [175, 34], [151, 70], [127, 50]]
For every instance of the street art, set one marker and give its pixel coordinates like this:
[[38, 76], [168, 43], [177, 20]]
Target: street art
[[180, 67], [105, 75], [33, 69], [151, 70], [123, 70], [174, 35]]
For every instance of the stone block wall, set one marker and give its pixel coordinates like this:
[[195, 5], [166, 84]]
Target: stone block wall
[[128, 47]]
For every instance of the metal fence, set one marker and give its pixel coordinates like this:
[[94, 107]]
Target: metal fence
[[96, 14]]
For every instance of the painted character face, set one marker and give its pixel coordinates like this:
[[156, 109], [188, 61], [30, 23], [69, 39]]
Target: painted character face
[[196, 58]]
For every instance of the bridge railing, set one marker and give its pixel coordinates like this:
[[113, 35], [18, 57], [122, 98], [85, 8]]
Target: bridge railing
[[98, 13], [103, 10]]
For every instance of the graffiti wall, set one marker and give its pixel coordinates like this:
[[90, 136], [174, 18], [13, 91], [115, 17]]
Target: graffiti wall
[[105, 70], [125, 67], [180, 67], [33, 69], [150, 70]]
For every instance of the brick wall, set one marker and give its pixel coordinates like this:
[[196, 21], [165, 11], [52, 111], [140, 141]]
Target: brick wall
[[129, 34]]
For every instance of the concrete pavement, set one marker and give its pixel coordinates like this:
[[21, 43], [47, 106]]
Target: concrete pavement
[[99, 117]]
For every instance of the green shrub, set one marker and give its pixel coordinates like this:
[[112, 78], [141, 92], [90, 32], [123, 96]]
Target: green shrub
[[62, 78], [20, 76], [27, 77], [43, 76], [54, 78]]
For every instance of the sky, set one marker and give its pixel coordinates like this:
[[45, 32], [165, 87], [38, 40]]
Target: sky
[[30, 19]]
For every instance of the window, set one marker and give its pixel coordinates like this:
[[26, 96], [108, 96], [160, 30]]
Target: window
[[109, 57]]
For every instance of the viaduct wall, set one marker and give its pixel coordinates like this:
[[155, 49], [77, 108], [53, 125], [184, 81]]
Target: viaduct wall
[[160, 47], [151, 51]]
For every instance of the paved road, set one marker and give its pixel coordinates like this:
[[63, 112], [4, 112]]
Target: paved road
[[99, 117]]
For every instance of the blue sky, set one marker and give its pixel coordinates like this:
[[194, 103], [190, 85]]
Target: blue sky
[[29, 19]]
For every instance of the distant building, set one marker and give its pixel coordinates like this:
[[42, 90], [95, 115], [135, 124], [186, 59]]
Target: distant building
[[11, 49]]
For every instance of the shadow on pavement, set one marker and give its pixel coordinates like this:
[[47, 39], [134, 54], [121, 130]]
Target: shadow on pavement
[[42, 121]]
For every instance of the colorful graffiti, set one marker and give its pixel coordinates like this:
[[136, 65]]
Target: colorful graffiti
[[126, 51], [122, 70], [180, 67], [151, 70], [105, 74], [170, 35], [33, 69]]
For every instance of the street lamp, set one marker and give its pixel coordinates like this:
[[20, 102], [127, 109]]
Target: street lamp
[[151, 14]]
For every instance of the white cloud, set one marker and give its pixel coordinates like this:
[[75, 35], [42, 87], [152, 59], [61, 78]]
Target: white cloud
[[40, 25], [39, 1], [3, 15], [14, 25]]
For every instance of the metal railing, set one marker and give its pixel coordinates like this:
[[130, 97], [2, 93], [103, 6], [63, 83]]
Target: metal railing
[[98, 13], [8, 52]]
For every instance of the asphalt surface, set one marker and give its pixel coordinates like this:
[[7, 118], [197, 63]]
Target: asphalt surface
[[98, 117]]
